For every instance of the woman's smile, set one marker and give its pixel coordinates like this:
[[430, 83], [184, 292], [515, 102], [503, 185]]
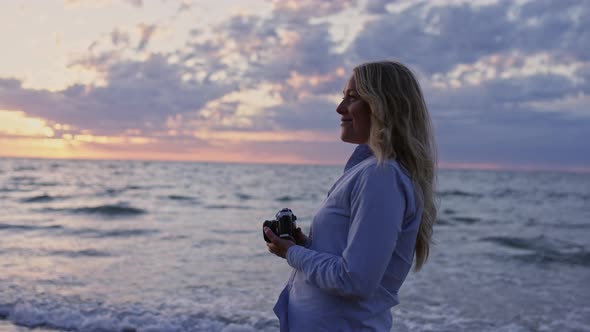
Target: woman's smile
[[345, 122]]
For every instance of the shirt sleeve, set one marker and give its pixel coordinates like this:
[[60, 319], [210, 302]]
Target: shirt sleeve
[[308, 242], [377, 204]]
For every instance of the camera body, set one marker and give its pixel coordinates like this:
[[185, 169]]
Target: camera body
[[284, 225]]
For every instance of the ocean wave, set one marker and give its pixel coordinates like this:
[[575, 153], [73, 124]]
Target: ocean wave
[[455, 219], [103, 210], [181, 198], [46, 184], [15, 189], [40, 199], [117, 191], [243, 196], [24, 168], [70, 313], [466, 220], [207, 243], [20, 179], [449, 211], [170, 237], [227, 206], [543, 250], [459, 193], [286, 198], [577, 258], [29, 227], [567, 195], [98, 233], [507, 192], [80, 253], [110, 210]]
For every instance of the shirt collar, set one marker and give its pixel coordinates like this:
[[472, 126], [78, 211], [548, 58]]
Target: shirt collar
[[361, 152]]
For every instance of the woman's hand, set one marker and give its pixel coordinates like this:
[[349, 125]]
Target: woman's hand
[[300, 238], [277, 245]]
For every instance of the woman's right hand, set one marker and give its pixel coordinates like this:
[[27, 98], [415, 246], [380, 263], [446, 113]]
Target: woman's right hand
[[300, 238]]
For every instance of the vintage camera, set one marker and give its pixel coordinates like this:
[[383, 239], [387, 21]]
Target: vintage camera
[[284, 225]]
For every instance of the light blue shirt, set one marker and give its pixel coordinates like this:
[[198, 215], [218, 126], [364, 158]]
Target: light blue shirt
[[360, 251]]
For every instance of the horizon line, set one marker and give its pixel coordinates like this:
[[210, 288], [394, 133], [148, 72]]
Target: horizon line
[[474, 166]]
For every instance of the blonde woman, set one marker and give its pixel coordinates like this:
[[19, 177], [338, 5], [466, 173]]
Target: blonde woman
[[378, 216]]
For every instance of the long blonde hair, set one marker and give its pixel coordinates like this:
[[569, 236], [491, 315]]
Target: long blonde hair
[[401, 129]]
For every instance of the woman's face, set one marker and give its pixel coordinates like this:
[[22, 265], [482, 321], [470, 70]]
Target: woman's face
[[355, 116]]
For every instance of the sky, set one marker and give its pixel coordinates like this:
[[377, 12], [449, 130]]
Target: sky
[[507, 83]]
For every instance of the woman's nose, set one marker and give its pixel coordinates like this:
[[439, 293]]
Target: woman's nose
[[341, 109]]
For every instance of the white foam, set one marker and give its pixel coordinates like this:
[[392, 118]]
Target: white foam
[[73, 317]]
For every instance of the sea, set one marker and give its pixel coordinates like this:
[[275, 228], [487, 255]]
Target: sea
[[177, 246]]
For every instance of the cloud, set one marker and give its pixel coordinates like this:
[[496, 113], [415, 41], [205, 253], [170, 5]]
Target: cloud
[[119, 37], [136, 3], [435, 38], [184, 6], [376, 6], [293, 57], [146, 31], [302, 10], [136, 94]]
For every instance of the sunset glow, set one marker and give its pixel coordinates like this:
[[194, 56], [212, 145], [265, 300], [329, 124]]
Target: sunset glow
[[17, 123]]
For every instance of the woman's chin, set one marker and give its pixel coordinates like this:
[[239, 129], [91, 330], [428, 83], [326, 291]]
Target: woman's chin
[[348, 140]]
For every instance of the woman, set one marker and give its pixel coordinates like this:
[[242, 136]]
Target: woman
[[377, 216]]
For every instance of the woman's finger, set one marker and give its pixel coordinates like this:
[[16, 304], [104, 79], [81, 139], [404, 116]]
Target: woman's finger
[[271, 247], [270, 235]]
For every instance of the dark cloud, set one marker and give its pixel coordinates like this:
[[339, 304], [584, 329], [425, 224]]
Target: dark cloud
[[10, 83], [492, 95], [376, 6], [146, 31], [139, 95], [274, 47], [436, 38], [310, 53]]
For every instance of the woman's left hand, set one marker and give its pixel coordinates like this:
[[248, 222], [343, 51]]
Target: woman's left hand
[[277, 245]]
